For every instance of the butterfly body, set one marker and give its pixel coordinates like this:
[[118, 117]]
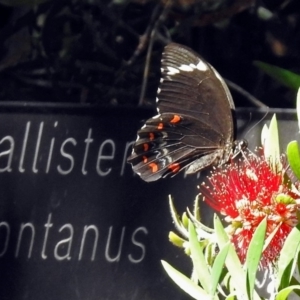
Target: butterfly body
[[195, 126]]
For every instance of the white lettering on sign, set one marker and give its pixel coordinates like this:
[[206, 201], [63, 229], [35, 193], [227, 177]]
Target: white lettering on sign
[[64, 242], [67, 155], [6, 239], [86, 229], [47, 148], [106, 144], [9, 152], [42, 153], [88, 141]]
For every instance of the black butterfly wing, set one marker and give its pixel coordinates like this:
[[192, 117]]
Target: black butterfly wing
[[195, 126], [191, 86]]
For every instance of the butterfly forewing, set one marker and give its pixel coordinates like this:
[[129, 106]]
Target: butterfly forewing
[[190, 86], [194, 128]]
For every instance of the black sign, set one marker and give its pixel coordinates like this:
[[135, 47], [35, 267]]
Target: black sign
[[75, 222]]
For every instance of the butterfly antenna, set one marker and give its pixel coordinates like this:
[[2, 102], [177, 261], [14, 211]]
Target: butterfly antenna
[[244, 155], [258, 122]]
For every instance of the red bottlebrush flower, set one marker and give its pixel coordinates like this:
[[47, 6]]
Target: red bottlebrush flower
[[245, 193]]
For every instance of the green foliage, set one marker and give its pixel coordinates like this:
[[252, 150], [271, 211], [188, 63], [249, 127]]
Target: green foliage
[[224, 273], [293, 155], [292, 150], [253, 256], [227, 272], [209, 278], [288, 261], [270, 141], [201, 268], [185, 283], [285, 77]]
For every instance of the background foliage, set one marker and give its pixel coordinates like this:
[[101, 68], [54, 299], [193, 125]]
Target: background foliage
[[108, 52]]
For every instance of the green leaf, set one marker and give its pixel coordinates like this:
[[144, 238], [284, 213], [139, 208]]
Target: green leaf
[[209, 253], [230, 297], [298, 107], [175, 217], [176, 240], [285, 77], [233, 264], [287, 257], [185, 283], [271, 236], [199, 262], [293, 156], [254, 254], [283, 294], [218, 267], [271, 146], [185, 220]]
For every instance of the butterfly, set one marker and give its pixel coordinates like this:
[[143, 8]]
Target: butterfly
[[195, 125]]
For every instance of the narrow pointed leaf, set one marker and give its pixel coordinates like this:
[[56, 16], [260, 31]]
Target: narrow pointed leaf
[[176, 240], [198, 259], [272, 149], [274, 144], [298, 107], [230, 297], [185, 220], [285, 77], [186, 284], [233, 264], [218, 267], [293, 155], [254, 254], [270, 237], [175, 217], [283, 294], [288, 253]]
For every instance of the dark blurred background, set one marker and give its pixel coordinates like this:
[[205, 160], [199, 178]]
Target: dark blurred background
[[107, 53]]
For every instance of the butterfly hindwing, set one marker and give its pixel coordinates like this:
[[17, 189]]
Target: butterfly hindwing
[[167, 144]]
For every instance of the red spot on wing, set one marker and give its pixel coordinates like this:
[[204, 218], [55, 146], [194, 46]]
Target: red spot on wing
[[154, 167], [175, 167], [160, 126], [176, 119], [146, 147], [145, 159], [151, 136]]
